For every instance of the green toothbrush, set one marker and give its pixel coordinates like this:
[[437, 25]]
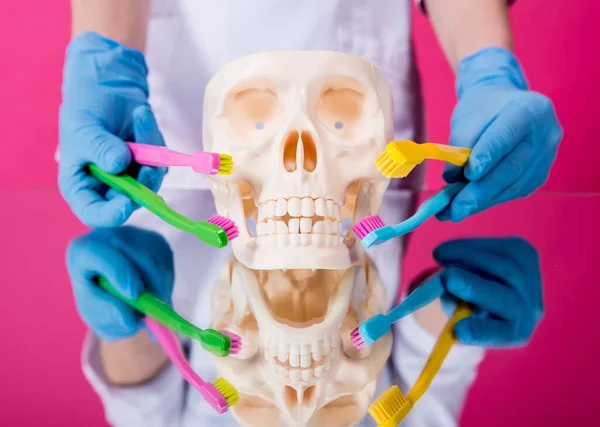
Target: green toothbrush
[[216, 231], [221, 344]]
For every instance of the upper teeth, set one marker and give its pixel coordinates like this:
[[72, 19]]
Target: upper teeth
[[298, 215]]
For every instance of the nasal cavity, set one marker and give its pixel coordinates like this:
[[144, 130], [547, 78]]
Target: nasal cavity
[[299, 150]]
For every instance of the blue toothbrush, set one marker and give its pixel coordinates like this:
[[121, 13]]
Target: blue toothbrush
[[379, 325], [372, 230]]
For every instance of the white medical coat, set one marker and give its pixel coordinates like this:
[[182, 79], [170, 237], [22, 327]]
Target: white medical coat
[[188, 41]]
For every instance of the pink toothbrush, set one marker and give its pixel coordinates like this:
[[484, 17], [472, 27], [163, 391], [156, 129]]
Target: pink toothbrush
[[220, 394], [200, 161]]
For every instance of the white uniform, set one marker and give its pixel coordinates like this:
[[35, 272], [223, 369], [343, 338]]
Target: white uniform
[[188, 41]]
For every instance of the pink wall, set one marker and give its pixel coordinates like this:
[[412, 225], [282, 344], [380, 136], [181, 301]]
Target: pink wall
[[557, 42], [546, 383]]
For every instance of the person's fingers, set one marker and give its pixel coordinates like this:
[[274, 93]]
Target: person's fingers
[[509, 127], [465, 131], [108, 316], [487, 332], [528, 182], [89, 258], [494, 297], [111, 194], [96, 145], [151, 176], [80, 191], [145, 127], [478, 255], [146, 131], [449, 302], [153, 257], [480, 195], [453, 173]]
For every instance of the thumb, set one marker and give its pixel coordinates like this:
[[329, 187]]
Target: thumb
[[146, 131], [448, 303], [106, 150]]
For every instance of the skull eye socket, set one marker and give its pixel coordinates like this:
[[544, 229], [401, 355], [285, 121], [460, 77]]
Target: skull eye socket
[[341, 109], [253, 111]]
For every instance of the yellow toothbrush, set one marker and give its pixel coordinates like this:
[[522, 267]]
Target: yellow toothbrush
[[400, 157], [392, 406]]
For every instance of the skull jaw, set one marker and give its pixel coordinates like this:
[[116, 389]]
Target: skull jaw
[[340, 399], [341, 395]]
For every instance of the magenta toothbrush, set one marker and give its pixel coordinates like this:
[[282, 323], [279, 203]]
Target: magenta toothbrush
[[220, 395], [200, 161]]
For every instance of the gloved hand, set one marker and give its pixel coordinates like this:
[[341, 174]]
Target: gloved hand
[[132, 260], [105, 102], [514, 133], [501, 278]]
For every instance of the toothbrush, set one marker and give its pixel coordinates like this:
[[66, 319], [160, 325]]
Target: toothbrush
[[220, 344], [217, 231], [392, 406], [200, 162], [379, 325], [221, 395], [372, 230], [401, 157]]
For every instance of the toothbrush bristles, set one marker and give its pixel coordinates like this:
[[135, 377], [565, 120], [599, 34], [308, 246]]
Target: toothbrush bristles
[[226, 224], [225, 164], [356, 339], [229, 393], [367, 224], [236, 342]]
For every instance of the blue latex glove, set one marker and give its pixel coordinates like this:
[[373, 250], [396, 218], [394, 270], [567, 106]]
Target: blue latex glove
[[105, 102], [132, 260], [514, 133], [501, 278]]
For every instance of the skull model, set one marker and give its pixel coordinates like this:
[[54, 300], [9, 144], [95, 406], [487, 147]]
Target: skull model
[[304, 129]]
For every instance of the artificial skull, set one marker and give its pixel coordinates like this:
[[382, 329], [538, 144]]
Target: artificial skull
[[304, 130], [298, 367]]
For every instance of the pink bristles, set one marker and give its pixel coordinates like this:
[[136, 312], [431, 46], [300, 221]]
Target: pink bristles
[[226, 224], [367, 224], [357, 341], [236, 342]]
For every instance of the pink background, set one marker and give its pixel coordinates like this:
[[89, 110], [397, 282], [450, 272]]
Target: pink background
[[546, 383]]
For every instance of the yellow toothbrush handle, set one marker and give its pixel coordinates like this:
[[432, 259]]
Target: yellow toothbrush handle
[[440, 350], [454, 155]]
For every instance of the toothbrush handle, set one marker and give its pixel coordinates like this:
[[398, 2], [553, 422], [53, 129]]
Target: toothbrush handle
[[154, 308], [429, 208], [127, 185], [170, 344], [419, 298], [143, 196], [154, 155], [454, 155], [440, 351]]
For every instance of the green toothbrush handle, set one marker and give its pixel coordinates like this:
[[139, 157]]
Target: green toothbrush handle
[[151, 306], [143, 196], [213, 341]]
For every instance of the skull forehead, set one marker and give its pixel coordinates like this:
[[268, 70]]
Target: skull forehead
[[292, 66], [293, 69]]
